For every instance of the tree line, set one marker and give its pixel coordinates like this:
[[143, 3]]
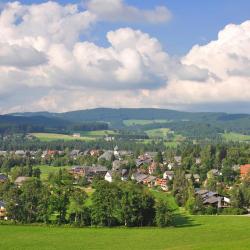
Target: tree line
[[58, 201]]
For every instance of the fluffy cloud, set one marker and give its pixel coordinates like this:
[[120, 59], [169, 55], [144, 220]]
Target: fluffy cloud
[[46, 65], [133, 60], [18, 56], [119, 11], [41, 52], [42, 24], [228, 61]]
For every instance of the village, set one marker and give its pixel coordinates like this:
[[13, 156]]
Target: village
[[150, 169]]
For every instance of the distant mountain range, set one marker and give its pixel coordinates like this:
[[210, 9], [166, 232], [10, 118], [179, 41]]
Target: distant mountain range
[[115, 118], [108, 114]]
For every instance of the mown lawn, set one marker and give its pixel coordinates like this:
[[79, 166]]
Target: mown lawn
[[196, 232]]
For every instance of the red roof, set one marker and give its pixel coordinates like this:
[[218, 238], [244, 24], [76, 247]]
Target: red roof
[[244, 169], [161, 181]]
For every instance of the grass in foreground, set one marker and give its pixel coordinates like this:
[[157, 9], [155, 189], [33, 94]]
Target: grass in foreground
[[192, 233]]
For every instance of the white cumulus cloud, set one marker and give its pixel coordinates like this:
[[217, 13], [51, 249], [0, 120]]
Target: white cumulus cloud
[[45, 64], [119, 11]]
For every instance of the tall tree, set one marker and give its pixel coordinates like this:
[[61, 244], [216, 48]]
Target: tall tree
[[164, 214], [77, 205], [180, 187]]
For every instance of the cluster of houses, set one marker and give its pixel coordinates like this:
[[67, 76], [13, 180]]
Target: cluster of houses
[[213, 199], [88, 171], [101, 154], [146, 172], [147, 176]]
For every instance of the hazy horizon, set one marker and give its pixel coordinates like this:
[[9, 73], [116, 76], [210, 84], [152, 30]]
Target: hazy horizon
[[76, 110]]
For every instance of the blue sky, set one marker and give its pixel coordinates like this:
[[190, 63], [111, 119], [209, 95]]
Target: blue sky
[[152, 53], [193, 21]]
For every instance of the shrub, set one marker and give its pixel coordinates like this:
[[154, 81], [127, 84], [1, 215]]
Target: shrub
[[233, 211]]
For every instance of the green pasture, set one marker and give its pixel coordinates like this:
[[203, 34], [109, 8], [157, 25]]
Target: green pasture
[[46, 170], [160, 195], [47, 137], [189, 233], [98, 133], [85, 136], [236, 137], [158, 133]]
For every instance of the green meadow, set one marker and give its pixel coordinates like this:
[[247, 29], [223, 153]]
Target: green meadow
[[47, 137], [160, 195], [85, 136], [157, 133], [191, 233], [97, 133], [46, 170], [236, 137], [188, 232]]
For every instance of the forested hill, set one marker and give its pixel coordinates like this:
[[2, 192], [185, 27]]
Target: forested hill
[[50, 123], [108, 114], [116, 117]]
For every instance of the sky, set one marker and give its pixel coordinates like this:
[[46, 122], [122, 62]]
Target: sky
[[69, 55]]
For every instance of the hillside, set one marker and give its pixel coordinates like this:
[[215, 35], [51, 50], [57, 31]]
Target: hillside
[[39, 123], [108, 114], [193, 125]]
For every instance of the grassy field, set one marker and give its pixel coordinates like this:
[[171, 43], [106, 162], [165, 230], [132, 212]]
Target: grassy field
[[236, 137], [162, 133], [85, 136], [166, 197], [47, 137], [171, 144], [192, 233], [158, 133], [45, 170], [142, 122], [97, 133]]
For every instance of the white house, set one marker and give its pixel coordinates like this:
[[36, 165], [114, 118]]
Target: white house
[[116, 151], [170, 166], [108, 176], [168, 175]]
